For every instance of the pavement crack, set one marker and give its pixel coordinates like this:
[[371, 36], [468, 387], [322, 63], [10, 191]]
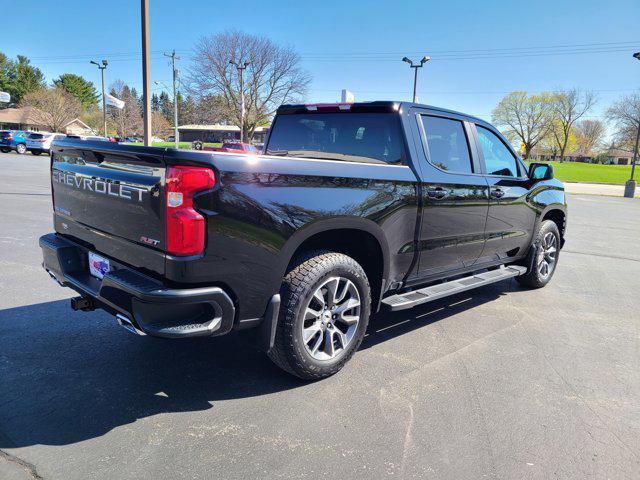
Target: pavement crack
[[26, 466]]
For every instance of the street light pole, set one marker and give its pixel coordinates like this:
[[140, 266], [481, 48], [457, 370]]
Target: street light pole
[[241, 69], [146, 79], [175, 96], [415, 67], [630, 186], [104, 98]]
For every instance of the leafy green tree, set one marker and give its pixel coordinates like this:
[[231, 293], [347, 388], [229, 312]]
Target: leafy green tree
[[19, 77], [79, 87], [525, 118]]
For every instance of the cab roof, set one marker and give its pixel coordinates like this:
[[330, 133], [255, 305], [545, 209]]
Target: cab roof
[[374, 106]]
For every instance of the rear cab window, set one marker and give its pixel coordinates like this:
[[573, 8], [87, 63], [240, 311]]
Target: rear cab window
[[447, 144], [344, 136]]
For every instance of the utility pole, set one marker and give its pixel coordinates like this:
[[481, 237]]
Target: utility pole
[[630, 186], [175, 95], [415, 67], [104, 98], [146, 80], [241, 69]]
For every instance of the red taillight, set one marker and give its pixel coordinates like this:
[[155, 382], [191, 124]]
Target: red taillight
[[185, 228]]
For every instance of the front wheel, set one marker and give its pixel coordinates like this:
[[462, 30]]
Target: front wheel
[[546, 250], [5, 150], [326, 303], [21, 149]]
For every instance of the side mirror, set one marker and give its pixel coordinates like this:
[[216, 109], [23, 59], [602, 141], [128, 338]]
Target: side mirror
[[540, 171]]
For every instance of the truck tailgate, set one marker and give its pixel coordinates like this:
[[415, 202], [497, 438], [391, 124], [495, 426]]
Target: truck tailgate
[[112, 199]]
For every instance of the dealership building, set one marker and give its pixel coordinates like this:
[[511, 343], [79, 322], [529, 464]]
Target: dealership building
[[217, 133]]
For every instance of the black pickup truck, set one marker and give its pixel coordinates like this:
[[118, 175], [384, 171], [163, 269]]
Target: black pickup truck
[[352, 208]]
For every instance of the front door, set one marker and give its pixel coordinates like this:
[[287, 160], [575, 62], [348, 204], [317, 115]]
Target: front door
[[511, 218], [455, 197]]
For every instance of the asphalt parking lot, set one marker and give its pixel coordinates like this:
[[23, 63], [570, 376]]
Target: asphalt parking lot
[[498, 383]]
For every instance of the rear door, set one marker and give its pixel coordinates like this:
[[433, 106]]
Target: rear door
[[455, 196], [511, 218]]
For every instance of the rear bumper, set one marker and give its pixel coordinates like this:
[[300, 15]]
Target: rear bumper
[[150, 307]]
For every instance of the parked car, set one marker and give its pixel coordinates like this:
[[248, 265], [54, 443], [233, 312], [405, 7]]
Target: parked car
[[381, 205], [40, 142], [13, 140], [234, 147]]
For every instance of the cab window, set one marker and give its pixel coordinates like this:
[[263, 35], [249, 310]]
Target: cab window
[[498, 159], [447, 144]]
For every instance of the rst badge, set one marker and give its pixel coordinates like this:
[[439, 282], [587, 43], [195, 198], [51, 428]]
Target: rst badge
[[150, 241]]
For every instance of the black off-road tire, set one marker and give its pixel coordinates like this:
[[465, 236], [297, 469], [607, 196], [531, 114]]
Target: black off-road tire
[[304, 277], [533, 278]]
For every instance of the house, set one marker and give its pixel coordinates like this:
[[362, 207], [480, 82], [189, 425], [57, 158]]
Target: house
[[25, 118], [77, 127], [615, 156], [28, 118], [217, 133]]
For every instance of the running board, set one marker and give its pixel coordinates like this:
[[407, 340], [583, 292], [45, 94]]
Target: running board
[[434, 292]]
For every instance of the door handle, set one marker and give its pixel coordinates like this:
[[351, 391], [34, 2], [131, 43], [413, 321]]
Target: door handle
[[497, 193], [436, 192]]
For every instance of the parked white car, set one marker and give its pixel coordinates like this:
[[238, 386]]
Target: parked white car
[[40, 142]]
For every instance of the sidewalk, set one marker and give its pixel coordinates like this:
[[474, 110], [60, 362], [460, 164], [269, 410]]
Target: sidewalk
[[598, 189]]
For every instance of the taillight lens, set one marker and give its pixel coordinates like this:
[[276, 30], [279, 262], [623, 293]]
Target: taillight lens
[[185, 228]]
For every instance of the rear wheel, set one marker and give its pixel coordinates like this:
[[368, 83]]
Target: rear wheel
[[36, 152], [546, 250], [326, 302], [21, 149]]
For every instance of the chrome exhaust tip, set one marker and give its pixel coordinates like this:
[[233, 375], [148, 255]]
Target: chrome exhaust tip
[[125, 323]]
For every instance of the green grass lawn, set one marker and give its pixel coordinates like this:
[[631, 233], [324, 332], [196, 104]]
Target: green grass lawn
[[591, 172], [184, 145]]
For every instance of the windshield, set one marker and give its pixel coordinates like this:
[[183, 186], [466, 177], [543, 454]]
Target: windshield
[[352, 137]]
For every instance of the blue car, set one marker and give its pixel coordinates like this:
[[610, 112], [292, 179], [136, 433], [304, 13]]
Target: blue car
[[13, 140]]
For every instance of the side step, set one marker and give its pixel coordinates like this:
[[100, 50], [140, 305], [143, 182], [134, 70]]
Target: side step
[[434, 292]]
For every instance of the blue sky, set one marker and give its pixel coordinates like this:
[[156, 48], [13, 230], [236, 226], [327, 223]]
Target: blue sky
[[358, 44]]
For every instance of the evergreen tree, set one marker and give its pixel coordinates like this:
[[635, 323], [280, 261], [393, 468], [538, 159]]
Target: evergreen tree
[[79, 87], [18, 77]]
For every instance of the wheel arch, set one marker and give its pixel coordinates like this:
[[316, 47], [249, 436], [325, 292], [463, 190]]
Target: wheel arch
[[558, 215], [360, 238]]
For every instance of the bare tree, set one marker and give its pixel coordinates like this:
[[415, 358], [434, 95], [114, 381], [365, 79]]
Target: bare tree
[[52, 107], [273, 75], [589, 135], [625, 117], [160, 126], [524, 117], [127, 120], [568, 107]]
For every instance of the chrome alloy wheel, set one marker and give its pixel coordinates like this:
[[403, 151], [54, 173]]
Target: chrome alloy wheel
[[547, 255], [331, 318]]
